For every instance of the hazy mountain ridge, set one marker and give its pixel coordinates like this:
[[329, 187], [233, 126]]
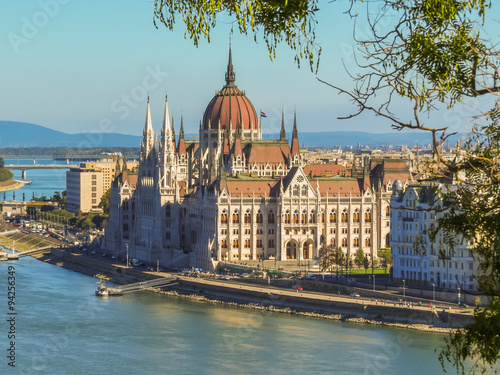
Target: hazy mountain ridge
[[21, 134]]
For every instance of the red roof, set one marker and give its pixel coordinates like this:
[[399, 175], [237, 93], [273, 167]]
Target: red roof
[[316, 170], [271, 152], [257, 188], [338, 188]]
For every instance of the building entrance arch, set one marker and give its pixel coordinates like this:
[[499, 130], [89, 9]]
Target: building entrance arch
[[307, 249], [291, 249]]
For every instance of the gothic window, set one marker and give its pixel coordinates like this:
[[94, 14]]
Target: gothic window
[[304, 190], [344, 216], [387, 211], [248, 217], [312, 217], [322, 217], [247, 243], [236, 217], [167, 235], [270, 217], [168, 211], [368, 216], [355, 216], [125, 204], [332, 242], [304, 217], [295, 217], [223, 217], [333, 216], [259, 218], [271, 243], [367, 242], [356, 242], [223, 244], [287, 217], [235, 243], [344, 242]]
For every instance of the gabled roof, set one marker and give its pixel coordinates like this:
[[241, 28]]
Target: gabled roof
[[318, 170], [264, 152], [257, 187]]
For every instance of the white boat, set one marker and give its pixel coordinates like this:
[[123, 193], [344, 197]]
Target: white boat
[[102, 290]]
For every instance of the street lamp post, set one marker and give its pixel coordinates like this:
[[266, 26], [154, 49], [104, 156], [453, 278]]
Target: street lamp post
[[404, 292], [459, 295], [126, 245], [373, 281], [433, 292]]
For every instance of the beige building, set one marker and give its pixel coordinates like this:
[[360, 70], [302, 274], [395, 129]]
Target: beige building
[[84, 188], [108, 167]]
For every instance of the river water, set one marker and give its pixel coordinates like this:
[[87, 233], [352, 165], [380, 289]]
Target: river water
[[44, 181], [63, 328]]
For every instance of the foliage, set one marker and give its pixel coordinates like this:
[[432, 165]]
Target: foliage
[[386, 257], [5, 174], [104, 204], [290, 21], [2, 163], [359, 258]]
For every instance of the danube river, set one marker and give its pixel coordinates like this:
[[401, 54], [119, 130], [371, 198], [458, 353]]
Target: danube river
[[61, 327], [44, 181]]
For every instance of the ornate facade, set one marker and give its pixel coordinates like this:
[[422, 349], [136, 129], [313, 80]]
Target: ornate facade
[[233, 196]]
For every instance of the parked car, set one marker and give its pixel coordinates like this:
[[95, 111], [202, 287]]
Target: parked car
[[354, 294], [311, 277], [297, 287]]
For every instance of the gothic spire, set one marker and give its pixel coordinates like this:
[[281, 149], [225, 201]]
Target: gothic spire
[[182, 144], [283, 133], [230, 76], [295, 136]]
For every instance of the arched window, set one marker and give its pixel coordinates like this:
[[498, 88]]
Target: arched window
[[356, 242], [223, 217], [312, 217], [332, 241], [270, 217], [368, 242], [235, 243], [287, 217], [258, 218], [247, 243], [355, 216], [168, 211], [368, 216], [303, 219], [333, 216], [223, 244], [236, 217], [344, 216], [387, 211], [322, 217], [344, 242], [248, 217], [295, 217]]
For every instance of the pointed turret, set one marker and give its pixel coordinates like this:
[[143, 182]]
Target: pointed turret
[[148, 137], [166, 145], [230, 76], [117, 167], [282, 133], [182, 144], [237, 151], [295, 136]]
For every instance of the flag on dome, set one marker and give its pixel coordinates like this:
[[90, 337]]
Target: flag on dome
[[263, 114]]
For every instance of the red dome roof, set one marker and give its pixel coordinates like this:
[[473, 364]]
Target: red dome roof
[[230, 106]]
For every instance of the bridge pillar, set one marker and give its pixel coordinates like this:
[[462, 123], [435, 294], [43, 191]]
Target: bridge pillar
[[23, 174]]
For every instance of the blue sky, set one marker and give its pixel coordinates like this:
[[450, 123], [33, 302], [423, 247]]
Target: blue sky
[[70, 65]]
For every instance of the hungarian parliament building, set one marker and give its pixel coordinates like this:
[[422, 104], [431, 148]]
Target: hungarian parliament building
[[231, 196]]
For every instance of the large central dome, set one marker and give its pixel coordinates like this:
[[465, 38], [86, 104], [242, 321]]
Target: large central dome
[[230, 107]]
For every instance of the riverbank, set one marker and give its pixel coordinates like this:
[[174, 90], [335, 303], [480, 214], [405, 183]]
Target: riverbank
[[11, 185], [264, 298]]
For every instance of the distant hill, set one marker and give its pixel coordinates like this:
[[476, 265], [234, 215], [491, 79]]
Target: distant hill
[[22, 134]]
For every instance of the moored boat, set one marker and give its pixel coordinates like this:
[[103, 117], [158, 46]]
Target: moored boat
[[102, 290]]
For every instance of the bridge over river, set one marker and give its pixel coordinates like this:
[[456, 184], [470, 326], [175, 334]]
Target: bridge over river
[[25, 167]]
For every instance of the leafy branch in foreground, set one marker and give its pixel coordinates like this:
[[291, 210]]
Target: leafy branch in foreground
[[289, 21]]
